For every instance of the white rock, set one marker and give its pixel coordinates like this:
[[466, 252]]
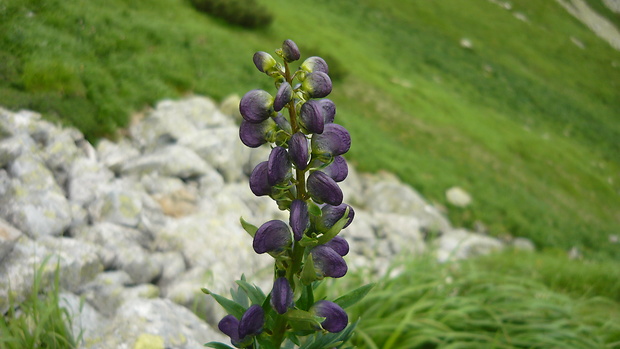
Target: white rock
[[461, 244], [170, 161], [8, 238], [458, 197]]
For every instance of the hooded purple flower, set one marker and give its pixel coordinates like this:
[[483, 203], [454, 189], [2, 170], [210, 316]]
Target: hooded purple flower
[[336, 319], [278, 166], [284, 95], [299, 219], [254, 135], [290, 51], [281, 295], [252, 321], [328, 262], [317, 84], [256, 106], [324, 189], [311, 116], [338, 244], [329, 110], [272, 236], [314, 64], [264, 61], [259, 180], [338, 169], [332, 214], [299, 151], [283, 124], [229, 325], [335, 140]]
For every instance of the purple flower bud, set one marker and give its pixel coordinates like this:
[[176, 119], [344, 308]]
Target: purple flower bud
[[338, 169], [329, 110], [256, 106], [311, 116], [279, 165], [264, 61], [254, 135], [229, 325], [324, 189], [332, 214], [283, 124], [314, 64], [328, 262], [317, 84], [338, 244], [290, 51], [281, 295], [252, 321], [272, 236], [299, 219], [335, 140], [336, 319], [259, 180], [298, 150], [284, 95]]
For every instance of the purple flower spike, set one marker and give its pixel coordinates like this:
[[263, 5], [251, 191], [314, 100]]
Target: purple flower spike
[[338, 169], [254, 135], [229, 325], [336, 318], [317, 84], [299, 150], [264, 61], [311, 116], [324, 189], [283, 124], [256, 106], [281, 295], [329, 110], [259, 180], [315, 63], [332, 214], [328, 262], [279, 165], [284, 95], [299, 219], [252, 321], [335, 140], [272, 236], [338, 244], [290, 51]]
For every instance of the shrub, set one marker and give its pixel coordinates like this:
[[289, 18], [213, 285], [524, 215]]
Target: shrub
[[244, 13]]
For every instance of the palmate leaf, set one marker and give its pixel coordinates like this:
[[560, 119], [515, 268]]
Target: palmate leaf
[[248, 227], [218, 345], [354, 296], [256, 295], [233, 308], [330, 340]]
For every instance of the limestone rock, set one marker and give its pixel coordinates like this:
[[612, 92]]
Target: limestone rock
[[461, 244], [8, 238], [114, 155], [86, 178], [458, 197], [171, 161]]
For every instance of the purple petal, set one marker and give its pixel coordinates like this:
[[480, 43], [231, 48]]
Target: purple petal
[[290, 51], [311, 116], [338, 169], [254, 135], [252, 321], [332, 214], [272, 236], [263, 61], [328, 262], [299, 150], [324, 189], [281, 295], [299, 219], [317, 84], [259, 180], [329, 110], [229, 325], [338, 244], [256, 106], [336, 318], [279, 165], [283, 124], [284, 95], [315, 63], [335, 140]]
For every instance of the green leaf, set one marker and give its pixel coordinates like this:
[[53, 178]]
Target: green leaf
[[336, 228], [240, 297], [308, 273], [306, 300], [307, 241], [256, 294], [354, 296], [218, 345], [249, 228], [314, 209], [301, 320], [231, 307], [265, 342]]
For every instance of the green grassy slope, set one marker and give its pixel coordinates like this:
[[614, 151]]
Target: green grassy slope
[[525, 120]]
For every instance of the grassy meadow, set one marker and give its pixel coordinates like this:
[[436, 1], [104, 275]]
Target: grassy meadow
[[526, 119]]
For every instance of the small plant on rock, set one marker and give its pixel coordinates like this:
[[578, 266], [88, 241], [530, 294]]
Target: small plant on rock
[[301, 175]]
